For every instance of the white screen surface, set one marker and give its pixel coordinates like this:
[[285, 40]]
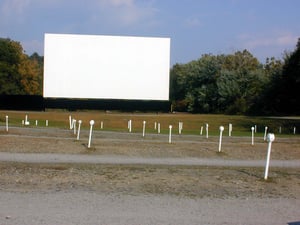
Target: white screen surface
[[106, 67]]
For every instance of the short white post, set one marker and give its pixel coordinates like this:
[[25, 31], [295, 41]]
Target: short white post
[[47, 123], [78, 131], [220, 140], [270, 139], [74, 126], [155, 125], [255, 128], [26, 121], [294, 130], [92, 122], [265, 135], [201, 130], [101, 125], [180, 127], [158, 128], [252, 139], [36, 123], [130, 125], [170, 133], [6, 120], [73, 121], [144, 128], [206, 127], [230, 129], [280, 130], [70, 121]]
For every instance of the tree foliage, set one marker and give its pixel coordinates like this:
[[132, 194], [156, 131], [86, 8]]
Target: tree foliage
[[19, 74], [283, 93], [219, 84]]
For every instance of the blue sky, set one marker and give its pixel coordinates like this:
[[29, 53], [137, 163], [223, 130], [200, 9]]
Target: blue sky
[[266, 28]]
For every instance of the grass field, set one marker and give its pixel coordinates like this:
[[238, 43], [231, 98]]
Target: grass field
[[117, 121], [189, 181]]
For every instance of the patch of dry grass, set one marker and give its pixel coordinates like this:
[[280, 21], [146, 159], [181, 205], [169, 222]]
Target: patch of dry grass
[[186, 181]]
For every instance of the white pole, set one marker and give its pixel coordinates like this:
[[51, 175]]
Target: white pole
[[280, 130], [155, 125], [206, 130], [36, 123], [265, 135], [91, 129], [130, 125], [74, 126], [180, 126], [201, 130], [101, 125], [294, 130], [26, 120], [47, 123], [270, 139], [6, 119], [252, 140], [158, 128], [220, 140], [70, 121], [78, 131], [255, 128], [144, 128], [170, 133], [230, 130]]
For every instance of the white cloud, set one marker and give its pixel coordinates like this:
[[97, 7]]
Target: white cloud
[[14, 6], [273, 39], [126, 12], [120, 2], [272, 44]]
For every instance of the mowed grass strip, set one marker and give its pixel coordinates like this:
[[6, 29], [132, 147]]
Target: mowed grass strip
[[192, 123]]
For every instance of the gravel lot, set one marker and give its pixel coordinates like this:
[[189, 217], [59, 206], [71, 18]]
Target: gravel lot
[[85, 208], [141, 193]]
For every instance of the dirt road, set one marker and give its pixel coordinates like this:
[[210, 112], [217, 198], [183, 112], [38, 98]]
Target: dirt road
[[85, 208], [132, 160], [47, 177]]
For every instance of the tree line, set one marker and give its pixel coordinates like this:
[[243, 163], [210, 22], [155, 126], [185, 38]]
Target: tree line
[[235, 83], [20, 74]]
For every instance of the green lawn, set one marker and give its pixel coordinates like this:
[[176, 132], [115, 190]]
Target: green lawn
[[117, 121]]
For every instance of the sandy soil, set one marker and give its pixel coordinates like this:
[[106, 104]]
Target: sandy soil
[[47, 193]]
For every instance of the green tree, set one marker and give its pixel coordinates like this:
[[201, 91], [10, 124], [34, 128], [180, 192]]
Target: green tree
[[10, 56], [240, 83], [19, 74], [286, 87], [178, 75], [29, 72], [267, 103], [201, 86]]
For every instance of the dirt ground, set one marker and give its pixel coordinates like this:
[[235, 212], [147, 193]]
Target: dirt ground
[[178, 182], [43, 140], [134, 179]]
